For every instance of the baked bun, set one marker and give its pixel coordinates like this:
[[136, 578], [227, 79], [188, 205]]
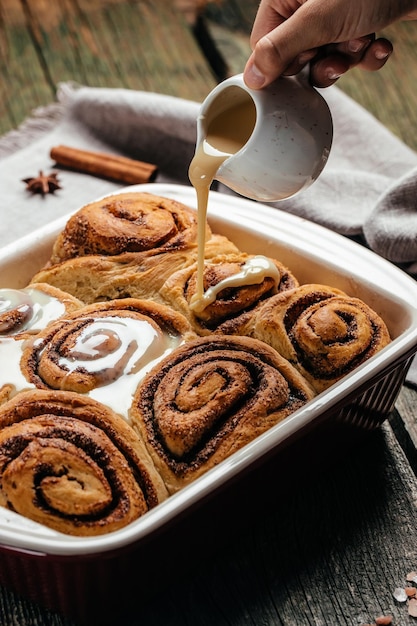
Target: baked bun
[[208, 399], [72, 464], [321, 330], [24, 313], [95, 278], [104, 349], [233, 285], [127, 222]]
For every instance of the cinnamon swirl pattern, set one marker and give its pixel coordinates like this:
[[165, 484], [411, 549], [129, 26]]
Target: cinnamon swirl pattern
[[325, 333], [208, 399], [233, 284], [70, 463], [128, 222], [104, 350]]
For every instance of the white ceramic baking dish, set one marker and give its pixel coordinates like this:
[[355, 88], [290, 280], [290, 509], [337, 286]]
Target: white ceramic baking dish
[[56, 569]]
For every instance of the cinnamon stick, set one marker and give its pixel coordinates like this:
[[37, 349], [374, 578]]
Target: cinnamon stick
[[103, 165]]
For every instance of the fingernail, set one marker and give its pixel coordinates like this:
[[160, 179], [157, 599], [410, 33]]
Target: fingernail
[[254, 77], [356, 45], [332, 75], [381, 54]]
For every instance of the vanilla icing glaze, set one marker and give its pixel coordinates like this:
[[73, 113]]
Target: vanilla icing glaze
[[34, 310], [253, 272], [26, 310], [118, 351], [227, 133], [10, 354]]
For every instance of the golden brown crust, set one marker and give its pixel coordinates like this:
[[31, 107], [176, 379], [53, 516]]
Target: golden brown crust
[[98, 278], [321, 330], [6, 392], [208, 399], [95, 278], [70, 463], [217, 244], [128, 222]]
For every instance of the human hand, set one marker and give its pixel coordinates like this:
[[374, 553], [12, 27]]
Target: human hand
[[331, 35], [329, 62]]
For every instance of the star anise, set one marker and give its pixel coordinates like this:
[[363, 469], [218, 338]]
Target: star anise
[[44, 183]]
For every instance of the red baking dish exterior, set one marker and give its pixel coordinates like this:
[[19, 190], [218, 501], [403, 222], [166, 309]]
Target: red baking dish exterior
[[91, 579]]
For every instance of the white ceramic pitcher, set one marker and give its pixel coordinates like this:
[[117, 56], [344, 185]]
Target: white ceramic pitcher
[[289, 143]]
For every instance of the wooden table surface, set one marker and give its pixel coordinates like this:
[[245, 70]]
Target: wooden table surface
[[332, 548]]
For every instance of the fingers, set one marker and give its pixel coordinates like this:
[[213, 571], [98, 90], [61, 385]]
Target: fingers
[[325, 71], [288, 35], [264, 65], [281, 42], [376, 55], [327, 64], [367, 53], [300, 62]]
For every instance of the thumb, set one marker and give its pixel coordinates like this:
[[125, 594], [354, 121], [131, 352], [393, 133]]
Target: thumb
[[297, 37]]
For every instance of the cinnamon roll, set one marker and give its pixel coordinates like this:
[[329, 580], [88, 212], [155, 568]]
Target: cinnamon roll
[[208, 399], [104, 349], [233, 285], [70, 463], [96, 278], [127, 222], [321, 330]]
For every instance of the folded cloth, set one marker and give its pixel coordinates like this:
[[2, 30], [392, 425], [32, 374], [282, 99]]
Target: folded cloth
[[390, 228], [152, 127], [367, 189]]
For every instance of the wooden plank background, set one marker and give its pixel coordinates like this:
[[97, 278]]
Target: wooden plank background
[[134, 44], [142, 44]]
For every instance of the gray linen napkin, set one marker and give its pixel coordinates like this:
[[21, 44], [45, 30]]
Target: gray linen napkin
[[152, 127], [367, 189]]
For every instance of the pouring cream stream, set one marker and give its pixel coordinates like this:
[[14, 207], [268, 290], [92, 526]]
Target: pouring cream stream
[[226, 134]]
